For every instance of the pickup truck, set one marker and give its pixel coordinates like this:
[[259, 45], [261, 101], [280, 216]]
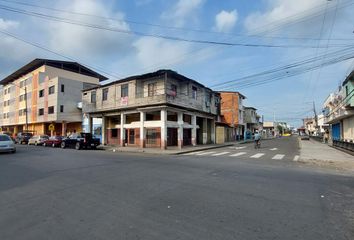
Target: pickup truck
[[83, 140]]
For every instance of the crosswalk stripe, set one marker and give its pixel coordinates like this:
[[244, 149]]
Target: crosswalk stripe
[[296, 158], [190, 153], [279, 156], [238, 154], [204, 153], [258, 155], [219, 154], [273, 149]]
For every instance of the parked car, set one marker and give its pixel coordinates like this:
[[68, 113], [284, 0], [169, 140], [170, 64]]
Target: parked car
[[23, 137], [53, 141], [304, 136], [84, 140], [6, 144], [37, 140]]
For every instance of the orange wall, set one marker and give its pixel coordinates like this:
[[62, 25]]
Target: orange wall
[[229, 108]]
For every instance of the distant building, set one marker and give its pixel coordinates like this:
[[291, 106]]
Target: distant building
[[159, 109], [251, 121], [45, 92], [232, 115]]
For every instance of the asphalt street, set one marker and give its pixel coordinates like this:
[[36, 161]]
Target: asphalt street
[[48, 193]]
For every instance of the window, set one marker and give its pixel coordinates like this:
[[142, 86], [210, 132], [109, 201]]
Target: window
[[151, 136], [173, 90], [22, 112], [194, 93], [22, 97], [346, 90], [22, 83], [105, 94], [151, 89], [41, 93], [114, 133], [51, 110], [62, 88], [93, 96], [51, 90], [124, 90], [41, 111], [5, 91], [61, 108]]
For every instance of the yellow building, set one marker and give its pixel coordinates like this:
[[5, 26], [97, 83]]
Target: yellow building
[[45, 92]]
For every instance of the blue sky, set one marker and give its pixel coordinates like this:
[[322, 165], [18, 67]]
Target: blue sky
[[288, 23]]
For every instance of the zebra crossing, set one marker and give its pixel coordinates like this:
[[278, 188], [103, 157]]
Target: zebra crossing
[[242, 152]]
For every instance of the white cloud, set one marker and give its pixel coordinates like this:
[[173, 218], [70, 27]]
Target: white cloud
[[279, 11], [225, 21], [183, 11], [156, 53], [88, 42], [7, 24]]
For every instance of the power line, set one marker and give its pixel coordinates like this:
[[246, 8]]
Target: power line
[[159, 25], [167, 37], [56, 53]]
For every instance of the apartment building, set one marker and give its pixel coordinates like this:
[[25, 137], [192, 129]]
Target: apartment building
[[158, 109], [232, 114], [45, 92], [251, 120]]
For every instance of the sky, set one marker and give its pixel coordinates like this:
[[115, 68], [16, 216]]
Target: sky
[[261, 48]]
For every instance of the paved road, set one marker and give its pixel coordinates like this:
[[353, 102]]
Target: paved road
[[50, 193]]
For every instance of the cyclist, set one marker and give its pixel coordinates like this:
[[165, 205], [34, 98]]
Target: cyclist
[[257, 140]]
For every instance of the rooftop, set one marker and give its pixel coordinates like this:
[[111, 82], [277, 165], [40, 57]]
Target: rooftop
[[38, 62], [159, 73]]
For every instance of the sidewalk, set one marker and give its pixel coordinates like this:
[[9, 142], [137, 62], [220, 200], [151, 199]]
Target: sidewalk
[[321, 154]]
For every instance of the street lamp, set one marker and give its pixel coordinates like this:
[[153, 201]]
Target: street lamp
[[25, 103]]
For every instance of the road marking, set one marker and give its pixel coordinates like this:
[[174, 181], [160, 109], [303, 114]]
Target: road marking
[[204, 153], [279, 156], [238, 154], [258, 155], [219, 154], [191, 153], [237, 148], [273, 149], [296, 158]]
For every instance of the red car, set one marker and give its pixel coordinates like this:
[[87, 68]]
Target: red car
[[53, 141]]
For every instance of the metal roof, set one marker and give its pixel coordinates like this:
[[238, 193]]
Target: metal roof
[[65, 65]]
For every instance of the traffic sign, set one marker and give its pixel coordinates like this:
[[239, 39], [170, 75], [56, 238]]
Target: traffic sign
[[51, 127]]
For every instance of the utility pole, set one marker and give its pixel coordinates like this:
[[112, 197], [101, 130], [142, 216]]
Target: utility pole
[[316, 118]]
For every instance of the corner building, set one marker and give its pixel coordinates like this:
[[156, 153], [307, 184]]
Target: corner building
[[159, 109]]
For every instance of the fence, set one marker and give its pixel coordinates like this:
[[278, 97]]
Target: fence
[[347, 145]]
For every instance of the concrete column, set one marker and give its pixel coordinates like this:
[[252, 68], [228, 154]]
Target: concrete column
[[212, 131], [89, 124], [122, 129], [63, 128], [205, 131], [142, 129], [104, 130], [163, 129], [180, 129], [194, 130]]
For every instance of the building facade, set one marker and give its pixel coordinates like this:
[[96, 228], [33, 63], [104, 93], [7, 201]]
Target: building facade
[[338, 110], [232, 114], [251, 120], [45, 92], [160, 109]]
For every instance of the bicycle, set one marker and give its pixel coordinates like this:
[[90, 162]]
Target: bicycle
[[257, 144]]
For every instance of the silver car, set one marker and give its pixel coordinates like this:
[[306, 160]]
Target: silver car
[[37, 140], [6, 144]]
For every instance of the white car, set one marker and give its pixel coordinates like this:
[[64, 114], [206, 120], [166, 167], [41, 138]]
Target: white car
[[6, 144], [38, 140]]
